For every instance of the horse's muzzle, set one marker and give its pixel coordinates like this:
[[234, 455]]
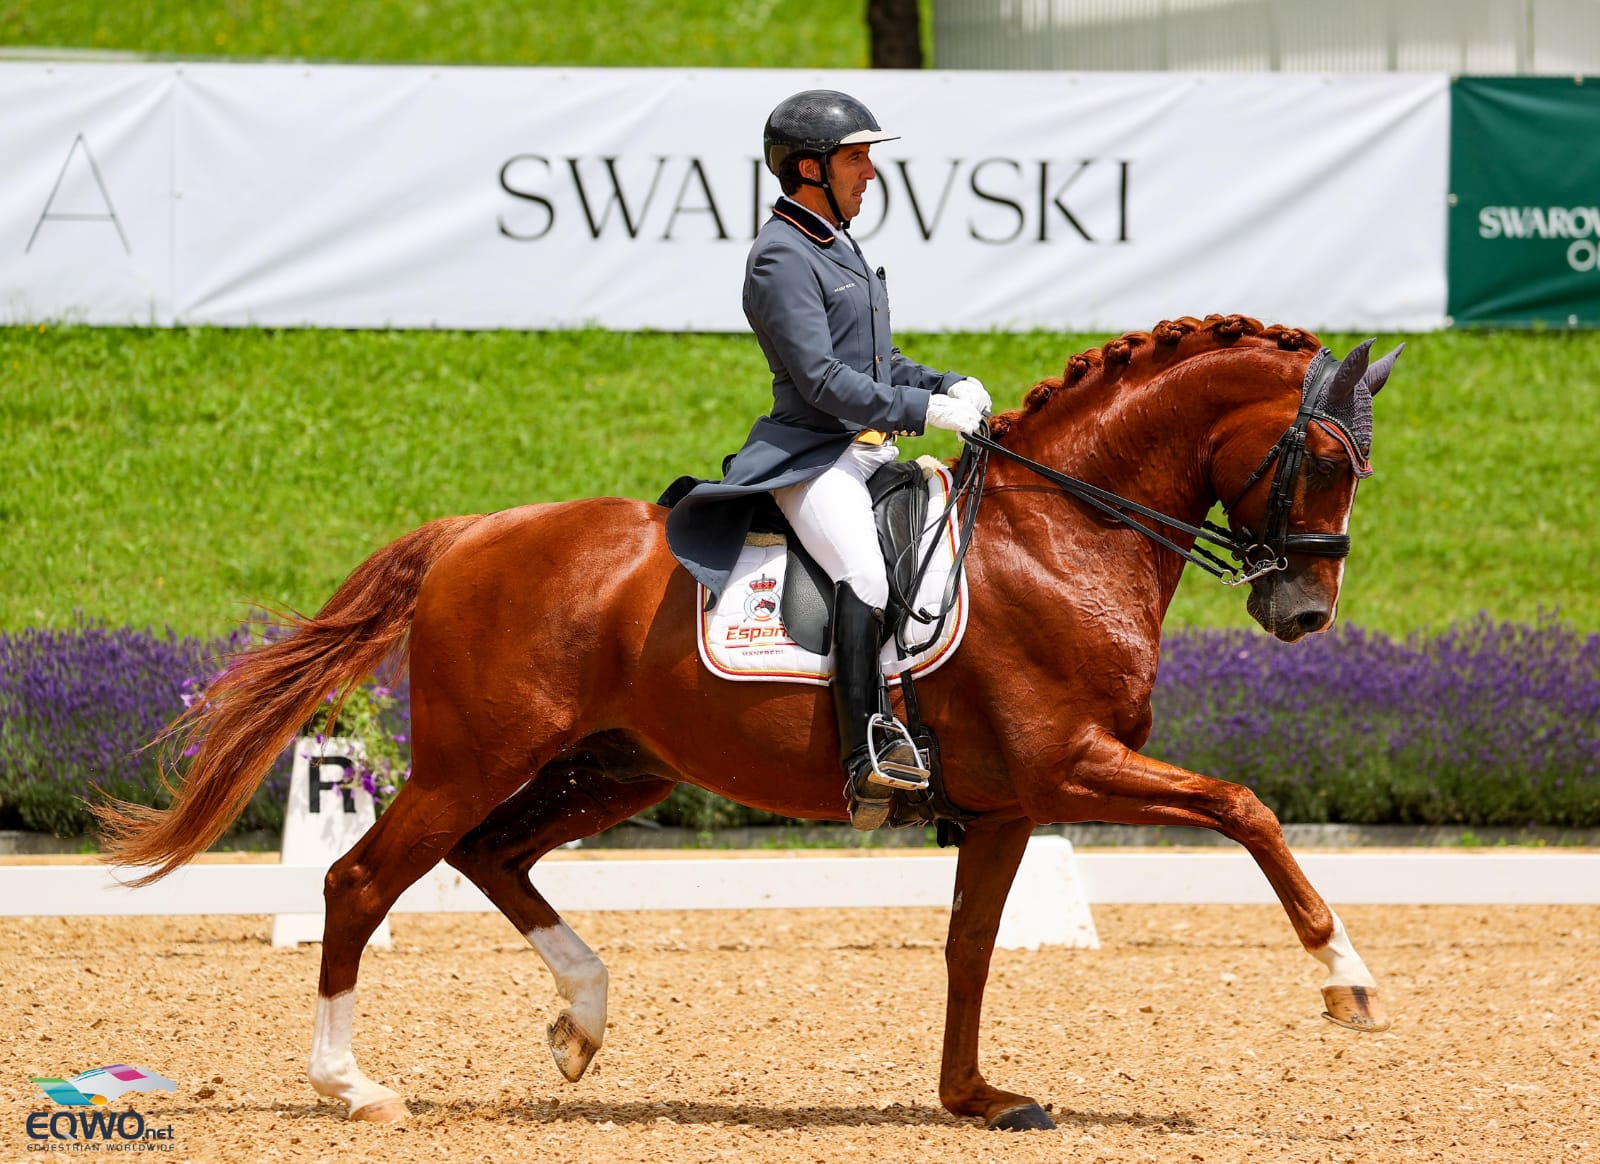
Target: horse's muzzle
[[1292, 605]]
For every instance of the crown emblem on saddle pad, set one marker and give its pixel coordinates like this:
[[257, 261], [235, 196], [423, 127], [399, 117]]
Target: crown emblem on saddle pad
[[763, 600]]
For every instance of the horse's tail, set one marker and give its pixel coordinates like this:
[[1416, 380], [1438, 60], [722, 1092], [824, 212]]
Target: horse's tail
[[263, 697]]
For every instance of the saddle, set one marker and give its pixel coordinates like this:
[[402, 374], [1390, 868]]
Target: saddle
[[900, 509]]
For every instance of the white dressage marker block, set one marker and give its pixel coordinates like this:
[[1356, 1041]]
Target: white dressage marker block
[[327, 812], [1047, 906]]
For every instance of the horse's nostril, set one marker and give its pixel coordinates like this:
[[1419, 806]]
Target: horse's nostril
[[1311, 621]]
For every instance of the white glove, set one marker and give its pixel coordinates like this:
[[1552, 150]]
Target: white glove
[[973, 392], [946, 411]]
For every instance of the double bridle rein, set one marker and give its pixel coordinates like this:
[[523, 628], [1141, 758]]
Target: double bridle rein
[[1258, 554]]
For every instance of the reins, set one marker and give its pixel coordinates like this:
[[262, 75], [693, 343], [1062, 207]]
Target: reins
[[1120, 508]]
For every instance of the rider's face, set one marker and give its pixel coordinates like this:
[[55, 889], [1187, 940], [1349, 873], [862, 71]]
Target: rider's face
[[850, 172]]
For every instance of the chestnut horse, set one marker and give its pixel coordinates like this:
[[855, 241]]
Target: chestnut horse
[[556, 688]]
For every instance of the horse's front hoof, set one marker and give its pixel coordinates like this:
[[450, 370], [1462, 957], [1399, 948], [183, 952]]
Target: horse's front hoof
[[571, 1047], [384, 1111], [1356, 1007], [1029, 1117]]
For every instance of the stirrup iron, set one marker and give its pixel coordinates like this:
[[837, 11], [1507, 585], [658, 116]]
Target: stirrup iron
[[893, 773]]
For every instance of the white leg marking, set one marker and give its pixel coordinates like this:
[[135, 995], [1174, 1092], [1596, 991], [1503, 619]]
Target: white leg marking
[[1345, 967], [580, 976], [333, 1068]]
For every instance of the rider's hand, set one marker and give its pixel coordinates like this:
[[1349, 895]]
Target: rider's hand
[[973, 392], [947, 411]]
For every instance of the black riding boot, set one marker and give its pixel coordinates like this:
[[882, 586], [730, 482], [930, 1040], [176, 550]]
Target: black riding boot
[[859, 693]]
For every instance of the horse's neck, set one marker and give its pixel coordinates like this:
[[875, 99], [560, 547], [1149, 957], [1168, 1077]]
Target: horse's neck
[[1146, 441]]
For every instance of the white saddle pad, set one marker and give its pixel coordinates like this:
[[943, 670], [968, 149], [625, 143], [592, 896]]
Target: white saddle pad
[[743, 638]]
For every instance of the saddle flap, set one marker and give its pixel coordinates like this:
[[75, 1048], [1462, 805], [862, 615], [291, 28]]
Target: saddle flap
[[807, 603], [900, 506]]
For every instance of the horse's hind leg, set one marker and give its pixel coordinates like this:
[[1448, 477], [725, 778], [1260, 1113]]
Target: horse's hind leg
[[1123, 787], [562, 805], [361, 887]]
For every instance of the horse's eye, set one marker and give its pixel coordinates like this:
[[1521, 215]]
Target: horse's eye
[[1323, 469]]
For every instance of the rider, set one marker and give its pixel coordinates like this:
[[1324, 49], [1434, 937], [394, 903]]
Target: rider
[[841, 394]]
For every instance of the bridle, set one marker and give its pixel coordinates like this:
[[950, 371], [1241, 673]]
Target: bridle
[[1258, 554], [1276, 543]]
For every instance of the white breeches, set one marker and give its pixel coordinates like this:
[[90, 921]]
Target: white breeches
[[832, 517]]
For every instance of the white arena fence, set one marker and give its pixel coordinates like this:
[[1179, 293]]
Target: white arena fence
[[1049, 904]]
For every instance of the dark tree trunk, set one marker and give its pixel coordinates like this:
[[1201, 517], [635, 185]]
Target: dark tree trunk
[[895, 27]]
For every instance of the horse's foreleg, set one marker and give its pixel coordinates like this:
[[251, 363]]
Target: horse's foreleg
[[560, 806], [407, 840], [1121, 786], [987, 863]]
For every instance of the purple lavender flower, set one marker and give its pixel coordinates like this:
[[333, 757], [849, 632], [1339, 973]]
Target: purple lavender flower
[[1485, 724], [1488, 723]]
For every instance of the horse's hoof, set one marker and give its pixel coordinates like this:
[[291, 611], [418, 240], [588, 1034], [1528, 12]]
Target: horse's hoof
[[571, 1047], [1356, 1007], [1029, 1117], [384, 1111]]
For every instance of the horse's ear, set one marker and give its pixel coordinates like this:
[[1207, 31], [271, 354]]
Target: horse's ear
[[1378, 374], [1341, 389], [1347, 399]]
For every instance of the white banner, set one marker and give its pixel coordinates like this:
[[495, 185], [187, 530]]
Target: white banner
[[288, 195]]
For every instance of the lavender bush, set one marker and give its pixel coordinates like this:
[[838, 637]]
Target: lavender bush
[[77, 708], [1486, 724]]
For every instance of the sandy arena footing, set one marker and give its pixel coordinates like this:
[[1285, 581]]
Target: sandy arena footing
[[1194, 1033]]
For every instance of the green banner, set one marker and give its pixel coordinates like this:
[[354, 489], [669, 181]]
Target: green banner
[[1525, 201]]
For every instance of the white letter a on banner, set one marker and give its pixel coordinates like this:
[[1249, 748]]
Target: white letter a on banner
[[71, 199]]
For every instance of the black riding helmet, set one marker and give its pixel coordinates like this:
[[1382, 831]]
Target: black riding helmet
[[813, 124]]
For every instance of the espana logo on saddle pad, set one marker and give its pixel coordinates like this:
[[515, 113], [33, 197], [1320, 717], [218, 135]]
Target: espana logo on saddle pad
[[744, 636]]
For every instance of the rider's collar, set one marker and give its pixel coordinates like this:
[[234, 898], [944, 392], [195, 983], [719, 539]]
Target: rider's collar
[[816, 228]]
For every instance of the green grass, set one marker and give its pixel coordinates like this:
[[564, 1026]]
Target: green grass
[[814, 34], [155, 477]]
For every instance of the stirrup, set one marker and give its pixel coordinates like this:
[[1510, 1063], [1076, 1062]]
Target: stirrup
[[911, 777]]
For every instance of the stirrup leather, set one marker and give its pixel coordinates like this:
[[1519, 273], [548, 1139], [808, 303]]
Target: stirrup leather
[[893, 737]]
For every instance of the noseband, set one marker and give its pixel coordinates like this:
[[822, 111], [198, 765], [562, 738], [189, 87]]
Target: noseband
[[1259, 554]]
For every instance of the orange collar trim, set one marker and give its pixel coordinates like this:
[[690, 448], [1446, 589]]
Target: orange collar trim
[[802, 228]]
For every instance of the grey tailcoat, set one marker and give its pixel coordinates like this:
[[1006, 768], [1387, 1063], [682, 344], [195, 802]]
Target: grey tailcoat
[[822, 318]]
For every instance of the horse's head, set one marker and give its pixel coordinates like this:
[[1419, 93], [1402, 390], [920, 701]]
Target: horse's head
[[1288, 470]]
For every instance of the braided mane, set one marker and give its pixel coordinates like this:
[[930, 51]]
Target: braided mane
[[1169, 340]]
